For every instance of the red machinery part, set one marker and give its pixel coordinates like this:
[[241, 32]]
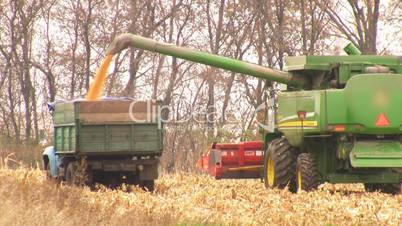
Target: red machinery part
[[229, 160]]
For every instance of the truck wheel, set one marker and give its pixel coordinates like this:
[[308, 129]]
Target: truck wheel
[[307, 175], [113, 183], [89, 180], [70, 173], [47, 171], [148, 185], [133, 179], [280, 164]]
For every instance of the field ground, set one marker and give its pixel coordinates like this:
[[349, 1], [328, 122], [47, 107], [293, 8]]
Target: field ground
[[27, 198]]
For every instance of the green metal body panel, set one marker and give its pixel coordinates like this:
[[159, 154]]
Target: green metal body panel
[[326, 63], [138, 138], [363, 100], [345, 66], [376, 154], [116, 134], [311, 102], [357, 107]]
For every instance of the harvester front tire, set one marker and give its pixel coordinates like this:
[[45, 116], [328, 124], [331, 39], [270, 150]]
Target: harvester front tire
[[280, 164], [307, 175]]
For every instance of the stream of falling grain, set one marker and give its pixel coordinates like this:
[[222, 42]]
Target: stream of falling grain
[[97, 86]]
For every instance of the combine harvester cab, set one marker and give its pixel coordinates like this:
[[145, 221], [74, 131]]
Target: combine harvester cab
[[233, 161]]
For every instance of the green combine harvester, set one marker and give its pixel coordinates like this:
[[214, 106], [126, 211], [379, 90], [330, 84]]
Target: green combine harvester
[[340, 120]]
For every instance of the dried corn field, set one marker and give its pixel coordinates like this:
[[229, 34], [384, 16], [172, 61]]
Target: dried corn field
[[28, 199]]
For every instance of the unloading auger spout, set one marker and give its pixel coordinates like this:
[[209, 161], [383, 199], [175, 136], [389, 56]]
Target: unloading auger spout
[[124, 41]]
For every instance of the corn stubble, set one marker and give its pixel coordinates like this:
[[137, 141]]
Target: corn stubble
[[27, 198]]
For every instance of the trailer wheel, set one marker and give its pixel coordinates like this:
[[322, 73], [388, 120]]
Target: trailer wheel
[[70, 173], [280, 165], [307, 175], [148, 185]]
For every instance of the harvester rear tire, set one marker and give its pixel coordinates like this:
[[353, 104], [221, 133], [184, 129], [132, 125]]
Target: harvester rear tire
[[307, 175], [393, 189], [373, 187], [280, 164]]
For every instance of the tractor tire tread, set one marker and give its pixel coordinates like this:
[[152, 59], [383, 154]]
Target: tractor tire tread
[[285, 162], [393, 189], [309, 171]]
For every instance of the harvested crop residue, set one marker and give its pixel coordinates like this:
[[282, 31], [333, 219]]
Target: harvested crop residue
[[28, 199]]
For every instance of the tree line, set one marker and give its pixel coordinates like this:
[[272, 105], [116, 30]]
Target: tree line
[[50, 49]]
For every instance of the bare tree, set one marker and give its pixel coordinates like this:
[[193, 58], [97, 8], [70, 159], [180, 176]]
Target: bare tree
[[241, 29], [26, 15], [313, 25], [215, 30], [362, 30], [146, 26], [48, 62]]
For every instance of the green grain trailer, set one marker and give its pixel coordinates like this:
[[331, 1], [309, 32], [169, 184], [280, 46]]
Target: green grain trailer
[[109, 141], [340, 120]]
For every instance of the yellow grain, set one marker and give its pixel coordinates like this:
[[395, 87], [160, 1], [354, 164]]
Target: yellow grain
[[97, 86]]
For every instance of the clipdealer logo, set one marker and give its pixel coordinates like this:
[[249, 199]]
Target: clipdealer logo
[[152, 112]]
